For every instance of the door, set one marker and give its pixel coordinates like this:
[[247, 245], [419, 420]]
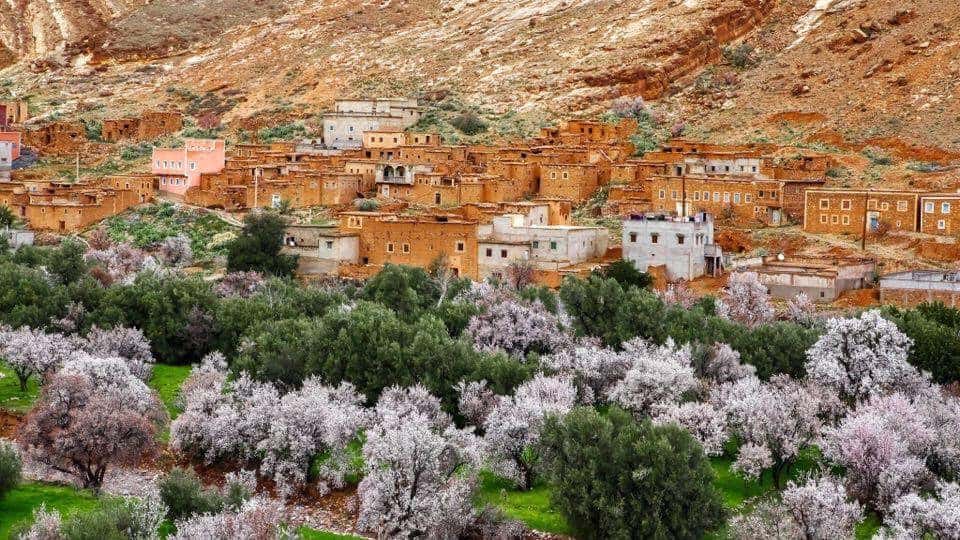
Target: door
[[873, 220]]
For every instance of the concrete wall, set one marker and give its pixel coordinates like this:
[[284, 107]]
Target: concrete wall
[[683, 261]]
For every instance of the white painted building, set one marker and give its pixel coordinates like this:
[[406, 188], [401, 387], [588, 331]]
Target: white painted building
[[345, 125], [684, 245]]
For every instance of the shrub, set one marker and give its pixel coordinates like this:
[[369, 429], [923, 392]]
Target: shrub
[[258, 246], [626, 274], [10, 468], [366, 205], [740, 56], [184, 496], [469, 123], [877, 156], [616, 478]]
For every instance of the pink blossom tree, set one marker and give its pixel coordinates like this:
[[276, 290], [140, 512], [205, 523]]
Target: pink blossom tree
[[517, 328], [801, 309], [240, 284], [258, 519], [514, 425], [593, 369], [780, 417], [176, 251], [33, 353], [679, 294], [701, 420], [861, 357], [92, 415], [938, 516], [412, 455], [121, 262], [746, 300], [127, 343], [658, 377]]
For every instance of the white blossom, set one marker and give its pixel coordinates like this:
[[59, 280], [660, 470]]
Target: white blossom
[[702, 420], [745, 300], [592, 368], [517, 328], [914, 516], [257, 519], [658, 377], [821, 509], [801, 309], [126, 343], [33, 353]]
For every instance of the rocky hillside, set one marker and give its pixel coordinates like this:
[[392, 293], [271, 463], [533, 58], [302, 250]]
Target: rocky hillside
[[856, 69]]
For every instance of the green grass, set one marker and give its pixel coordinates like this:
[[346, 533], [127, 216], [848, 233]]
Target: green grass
[[735, 490], [166, 381], [531, 507], [11, 398], [18, 505], [868, 527], [312, 534]]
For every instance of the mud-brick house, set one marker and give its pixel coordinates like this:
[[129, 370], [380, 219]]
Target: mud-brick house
[[822, 279], [550, 249], [70, 207], [58, 138], [149, 126], [940, 213], [15, 140], [844, 210], [573, 181], [179, 169], [14, 111], [351, 118], [908, 289], [743, 199], [320, 249]]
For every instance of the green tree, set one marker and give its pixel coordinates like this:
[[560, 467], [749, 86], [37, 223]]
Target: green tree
[[66, 264], [407, 290], [936, 343], [626, 274], [28, 298], [615, 478], [7, 217], [258, 246], [601, 308]]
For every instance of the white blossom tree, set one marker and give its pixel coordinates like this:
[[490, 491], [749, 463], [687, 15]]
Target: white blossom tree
[[240, 284], [679, 294], [33, 353], [592, 368], [861, 357], [778, 418], [882, 445], [719, 364], [93, 414], [745, 300], [517, 328], [658, 377], [412, 455], [515, 423], [127, 343], [258, 519], [701, 420], [120, 263], [176, 251], [801, 309], [913, 516], [818, 509]]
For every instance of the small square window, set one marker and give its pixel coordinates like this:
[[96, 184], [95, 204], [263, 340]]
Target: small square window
[[824, 203], [536, 244], [553, 245], [329, 244], [941, 224], [846, 220], [823, 218], [654, 238], [489, 252], [406, 248], [390, 247], [680, 239], [662, 194], [846, 204], [461, 246], [633, 237], [503, 254], [945, 208], [928, 207]]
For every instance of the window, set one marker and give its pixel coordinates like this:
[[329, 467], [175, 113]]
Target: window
[[736, 198], [885, 206], [673, 195], [872, 204], [406, 248], [489, 252], [461, 246], [846, 204], [536, 244], [823, 218], [726, 197], [654, 238], [553, 245], [834, 219], [941, 224], [193, 165], [846, 220], [565, 175], [553, 175], [716, 196], [748, 198], [680, 239], [633, 237], [662, 194], [696, 195], [706, 195], [928, 207], [503, 254], [329, 244], [760, 196], [901, 206], [389, 247], [945, 208]]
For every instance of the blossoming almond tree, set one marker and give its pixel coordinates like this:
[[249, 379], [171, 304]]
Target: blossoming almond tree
[[33, 353], [517, 328], [746, 300], [412, 455], [658, 377]]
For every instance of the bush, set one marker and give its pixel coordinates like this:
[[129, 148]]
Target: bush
[[626, 274], [877, 156], [616, 478], [740, 56], [469, 123], [10, 468], [258, 246], [183, 494]]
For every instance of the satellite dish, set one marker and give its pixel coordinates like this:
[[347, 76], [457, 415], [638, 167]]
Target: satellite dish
[[780, 257]]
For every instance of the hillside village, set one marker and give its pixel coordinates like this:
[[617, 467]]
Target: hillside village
[[397, 195]]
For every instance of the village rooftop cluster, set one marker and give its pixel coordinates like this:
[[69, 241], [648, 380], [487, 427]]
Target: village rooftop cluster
[[405, 197]]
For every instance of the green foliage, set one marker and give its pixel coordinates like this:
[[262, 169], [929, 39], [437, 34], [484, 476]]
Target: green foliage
[[258, 246], [924, 166], [113, 519], [11, 397], [93, 129], [373, 348], [539, 292], [66, 264], [16, 511], [626, 274], [407, 290], [161, 307], [469, 123], [10, 468], [601, 308], [283, 132], [27, 298], [740, 56], [877, 156], [7, 217], [616, 478], [136, 151], [183, 494], [147, 227], [935, 331]]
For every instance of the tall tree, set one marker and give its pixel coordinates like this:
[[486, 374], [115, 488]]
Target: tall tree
[[258, 246]]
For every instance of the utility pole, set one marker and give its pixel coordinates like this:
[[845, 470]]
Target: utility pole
[[683, 194], [77, 177], [866, 203]]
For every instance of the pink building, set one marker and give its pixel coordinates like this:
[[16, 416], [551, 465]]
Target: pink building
[[14, 138], [178, 169]]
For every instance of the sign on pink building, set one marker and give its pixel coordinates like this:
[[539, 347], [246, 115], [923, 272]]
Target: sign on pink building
[[178, 169]]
